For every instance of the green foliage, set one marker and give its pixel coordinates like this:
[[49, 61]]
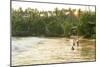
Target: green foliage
[[31, 22], [88, 24]]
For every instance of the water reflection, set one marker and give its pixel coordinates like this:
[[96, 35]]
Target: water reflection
[[36, 50]]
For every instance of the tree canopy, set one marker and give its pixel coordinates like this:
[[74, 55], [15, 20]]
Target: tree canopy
[[32, 22]]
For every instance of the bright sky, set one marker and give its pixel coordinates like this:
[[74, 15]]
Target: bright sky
[[46, 6]]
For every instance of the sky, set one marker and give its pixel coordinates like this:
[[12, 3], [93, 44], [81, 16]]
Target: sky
[[47, 7]]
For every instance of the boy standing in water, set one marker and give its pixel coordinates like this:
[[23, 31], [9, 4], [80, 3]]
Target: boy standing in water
[[75, 42]]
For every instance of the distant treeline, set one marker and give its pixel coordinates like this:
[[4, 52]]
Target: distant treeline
[[64, 22]]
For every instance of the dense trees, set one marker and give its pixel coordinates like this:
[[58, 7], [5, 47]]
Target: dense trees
[[32, 22], [88, 24]]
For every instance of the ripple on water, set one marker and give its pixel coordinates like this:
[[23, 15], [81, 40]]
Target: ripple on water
[[35, 50]]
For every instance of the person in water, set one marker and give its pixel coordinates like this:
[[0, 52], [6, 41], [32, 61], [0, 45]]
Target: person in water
[[75, 42]]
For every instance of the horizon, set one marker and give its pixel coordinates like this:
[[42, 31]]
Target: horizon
[[48, 7]]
